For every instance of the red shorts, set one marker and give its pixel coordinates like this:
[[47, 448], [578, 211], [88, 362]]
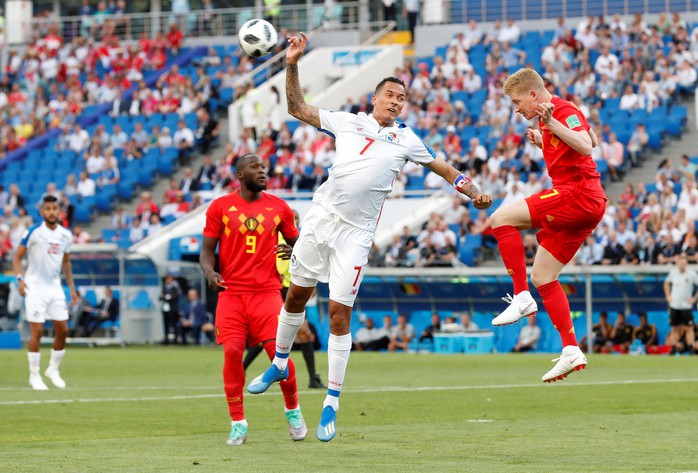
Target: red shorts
[[566, 217], [250, 317]]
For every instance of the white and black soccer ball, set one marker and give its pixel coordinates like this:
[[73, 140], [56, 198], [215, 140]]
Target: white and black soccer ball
[[257, 38]]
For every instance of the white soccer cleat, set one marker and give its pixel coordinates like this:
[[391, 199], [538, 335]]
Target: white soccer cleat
[[37, 383], [296, 424], [520, 306], [572, 359], [55, 378]]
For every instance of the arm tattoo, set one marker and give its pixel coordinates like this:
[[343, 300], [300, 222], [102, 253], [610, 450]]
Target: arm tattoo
[[296, 102], [470, 189]]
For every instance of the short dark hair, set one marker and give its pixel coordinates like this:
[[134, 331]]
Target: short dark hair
[[244, 159], [390, 79], [50, 198]]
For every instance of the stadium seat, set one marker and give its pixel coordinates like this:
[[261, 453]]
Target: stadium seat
[[140, 301]]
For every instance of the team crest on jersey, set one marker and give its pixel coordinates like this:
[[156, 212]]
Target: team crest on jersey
[[392, 137], [251, 224]]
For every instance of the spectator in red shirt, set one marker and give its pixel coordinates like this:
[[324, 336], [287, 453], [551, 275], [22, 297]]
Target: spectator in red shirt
[[157, 59], [15, 96], [175, 37], [146, 207], [174, 77]]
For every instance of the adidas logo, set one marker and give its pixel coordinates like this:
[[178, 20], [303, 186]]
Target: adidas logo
[[329, 429]]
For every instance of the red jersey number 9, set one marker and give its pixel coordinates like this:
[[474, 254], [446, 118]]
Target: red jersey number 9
[[251, 243]]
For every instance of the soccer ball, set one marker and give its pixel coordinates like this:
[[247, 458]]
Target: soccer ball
[[257, 38]]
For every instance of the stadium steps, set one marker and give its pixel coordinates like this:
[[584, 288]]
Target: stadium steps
[[399, 37], [103, 221], [674, 148], [396, 37]]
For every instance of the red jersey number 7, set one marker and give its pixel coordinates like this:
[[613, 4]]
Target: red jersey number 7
[[370, 142]]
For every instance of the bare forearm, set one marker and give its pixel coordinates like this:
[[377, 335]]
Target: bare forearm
[[17, 263], [580, 141], [470, 190], [68, 274], [296, 102], [207, 261]]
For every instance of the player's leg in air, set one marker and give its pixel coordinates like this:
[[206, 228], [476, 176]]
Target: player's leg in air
[[507, 223], [290, 321], [304, 342], [545, 273]]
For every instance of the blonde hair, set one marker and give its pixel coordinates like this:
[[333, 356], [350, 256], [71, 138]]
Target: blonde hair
[[523, 81]]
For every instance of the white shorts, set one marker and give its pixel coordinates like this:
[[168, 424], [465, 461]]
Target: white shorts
[[330, 250], [45, 303]]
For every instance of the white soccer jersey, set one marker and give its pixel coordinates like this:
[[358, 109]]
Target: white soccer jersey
[[682, 288], [369, 157], [45, 250]]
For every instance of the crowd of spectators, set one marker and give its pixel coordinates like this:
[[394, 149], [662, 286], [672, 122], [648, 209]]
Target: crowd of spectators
[[595, 62]]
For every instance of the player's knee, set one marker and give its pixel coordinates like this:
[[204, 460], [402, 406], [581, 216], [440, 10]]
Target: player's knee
[[496, 219], [539, 278], [233, 351]]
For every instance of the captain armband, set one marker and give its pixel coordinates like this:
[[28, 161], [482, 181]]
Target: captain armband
[[460, 181]]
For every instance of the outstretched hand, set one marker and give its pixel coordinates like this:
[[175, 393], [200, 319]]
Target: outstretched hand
[[296, 47]]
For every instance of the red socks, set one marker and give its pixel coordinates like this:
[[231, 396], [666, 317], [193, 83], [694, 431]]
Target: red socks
[[234, 377], [558, 308], [512, 249], [288, 387]]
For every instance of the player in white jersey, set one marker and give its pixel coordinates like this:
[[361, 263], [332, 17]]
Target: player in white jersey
[[339, 229], [47, 246]]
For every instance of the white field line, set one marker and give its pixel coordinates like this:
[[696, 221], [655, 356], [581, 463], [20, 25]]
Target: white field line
[[384, 389]]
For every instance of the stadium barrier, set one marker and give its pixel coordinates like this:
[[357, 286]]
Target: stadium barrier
[[417, 292]]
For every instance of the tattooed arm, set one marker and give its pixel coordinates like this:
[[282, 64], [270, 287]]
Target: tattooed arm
[[294, 92], [450, 174]]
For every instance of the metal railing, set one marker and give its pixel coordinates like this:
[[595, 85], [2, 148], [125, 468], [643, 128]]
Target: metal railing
[[198, 23], [462, 11]]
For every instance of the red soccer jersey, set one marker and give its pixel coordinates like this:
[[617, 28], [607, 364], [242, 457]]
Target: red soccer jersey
[[565, 165], [248, 233]]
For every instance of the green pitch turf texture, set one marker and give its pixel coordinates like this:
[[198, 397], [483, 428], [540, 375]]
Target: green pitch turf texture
[[161, 409]]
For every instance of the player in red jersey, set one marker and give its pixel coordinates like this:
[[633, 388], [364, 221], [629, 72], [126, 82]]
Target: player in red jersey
[[247, 224], [565, 214]]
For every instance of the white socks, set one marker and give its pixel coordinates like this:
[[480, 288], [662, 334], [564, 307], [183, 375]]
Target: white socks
[[34, 363], [56, 358], [338, 350], [289, 325], [243, 422]]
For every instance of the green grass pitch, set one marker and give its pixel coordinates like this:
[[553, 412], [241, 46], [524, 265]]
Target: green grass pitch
[[153, 409]]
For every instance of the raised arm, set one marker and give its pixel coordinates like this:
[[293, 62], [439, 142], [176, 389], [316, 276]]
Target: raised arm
[[294, 92], [580, 141]]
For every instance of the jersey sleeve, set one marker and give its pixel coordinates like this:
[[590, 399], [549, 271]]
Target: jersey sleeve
[[419, 152], [331, 122], [212, 228], [27, 236], [288, 226], [572, 117]]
